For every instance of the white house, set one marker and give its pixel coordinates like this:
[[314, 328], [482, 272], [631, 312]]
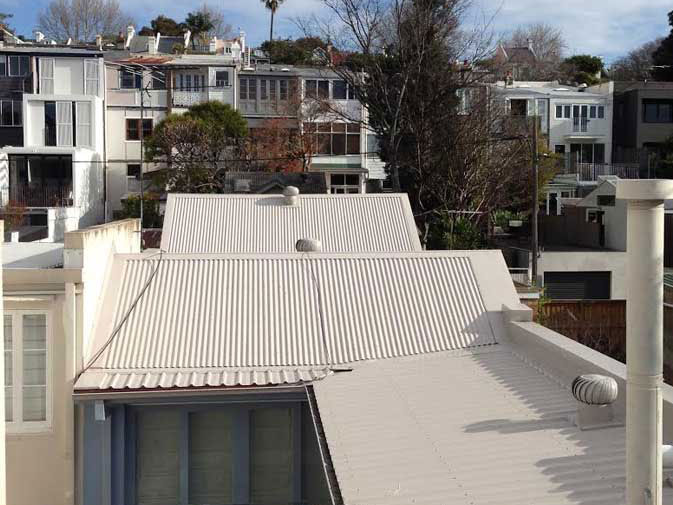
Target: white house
[[52, 154]]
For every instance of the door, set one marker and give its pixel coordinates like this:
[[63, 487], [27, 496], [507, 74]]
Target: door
[[554, 203], [577, 285]]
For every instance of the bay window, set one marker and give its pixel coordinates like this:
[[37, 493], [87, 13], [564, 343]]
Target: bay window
[[27, 384], [91, 68], [316, 88], [11, 113], [340, 184], [336, 139], [47, 76], [19, 66]]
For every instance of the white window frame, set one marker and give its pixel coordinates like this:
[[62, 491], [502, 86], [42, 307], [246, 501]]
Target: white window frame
[[343, 189], [21, 426], [45, 78], [80, 124], [64, 129], [89, 80]]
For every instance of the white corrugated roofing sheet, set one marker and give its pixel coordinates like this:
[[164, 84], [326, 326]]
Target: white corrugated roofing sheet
[[264, 224], [229, 313], [464, 427]]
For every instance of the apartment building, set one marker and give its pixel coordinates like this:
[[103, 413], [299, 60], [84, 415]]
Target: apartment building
[[52, 137]]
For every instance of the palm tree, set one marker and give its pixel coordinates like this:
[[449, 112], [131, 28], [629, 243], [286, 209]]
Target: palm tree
[[272, 5]]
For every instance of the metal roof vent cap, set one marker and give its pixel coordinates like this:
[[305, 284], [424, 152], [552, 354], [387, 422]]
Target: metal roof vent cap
[[308, 245], [291, 195], [595, 395], [242, 186]]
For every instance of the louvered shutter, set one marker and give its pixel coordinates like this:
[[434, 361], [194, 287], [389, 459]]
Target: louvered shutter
[[64, 124], [90, 77], [83, 121], [47, 76]]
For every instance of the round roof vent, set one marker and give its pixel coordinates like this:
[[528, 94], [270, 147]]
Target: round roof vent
[[291, 195], [308, 245], [594, 389]]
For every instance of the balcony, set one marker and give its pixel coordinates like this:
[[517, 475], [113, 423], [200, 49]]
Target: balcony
[[583, 127], [18, 84], [590, 172], [49, 195], [187, 98]]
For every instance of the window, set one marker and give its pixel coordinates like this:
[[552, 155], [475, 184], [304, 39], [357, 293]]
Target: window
[[560, 148], [18, 66], [188, 82], [592, 112], [64, 131], [344, 184], [339, 90], [91, 68], [27, 387], [49, 123], [606, 200], [316, 88], [47, 76], [158, 80], [197, 454], [243, 93], [601, 112], [11, 113], [566, 112], [263, 91], [135, 128], [559, 112], [337, 139], [83, 121], [272, 90], [283, 89], [3, 64], [658, 111], [130, 79], [222, 78], [133, 170]]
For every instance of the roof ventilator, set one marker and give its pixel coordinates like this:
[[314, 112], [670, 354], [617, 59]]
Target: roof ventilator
[[242, 186], [308, 245], [291, 195], [595, 395]]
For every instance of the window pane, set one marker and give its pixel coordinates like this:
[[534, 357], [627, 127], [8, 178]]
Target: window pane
[[559, 111], [592, 112], [283, 89], [13, 65], [338, 143], [353, 146], [34, 403], [7, 113], [23, 65], [599, 153], [271, 458], [157, 458], [339, 90], [262, 90], [323, 89], [35, 332], [147, 128], [272, 89], [18, 113], [244, 89], [650, 112], [311, 86], [338, 179], [601, 112], [132, 132], [338, 127], [210, 458], [566, 111], [3, 65], [352, 180], [323, 144], [252, 89]]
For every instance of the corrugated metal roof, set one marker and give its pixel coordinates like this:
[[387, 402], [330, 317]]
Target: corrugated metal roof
[[263, 224], [232, 312], [464, 427]]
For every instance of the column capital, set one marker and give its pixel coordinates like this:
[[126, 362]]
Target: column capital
[[652, 190]]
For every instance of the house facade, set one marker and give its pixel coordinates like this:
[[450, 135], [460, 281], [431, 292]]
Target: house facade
[[52, 136], [643, 121], [50, 299]]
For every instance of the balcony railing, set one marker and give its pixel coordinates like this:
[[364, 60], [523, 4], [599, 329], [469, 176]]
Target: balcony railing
[[592, 171], [187, 98], [520, 276], [580, 124], [41, 196]]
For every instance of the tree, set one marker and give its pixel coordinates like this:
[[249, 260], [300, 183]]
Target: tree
[[663, 56], [583, 69], [293, 52], [198, 147], [82, 20], [548, 45], [220, 28], [165, 26], [441, 151], [637, 65], [200, 24], [272, 5], [3, 21]]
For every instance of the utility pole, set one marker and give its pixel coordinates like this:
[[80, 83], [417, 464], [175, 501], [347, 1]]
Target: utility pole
[[142, 152], [536, 206]]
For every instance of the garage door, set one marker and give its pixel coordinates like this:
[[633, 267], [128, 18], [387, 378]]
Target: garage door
[[577, 285]]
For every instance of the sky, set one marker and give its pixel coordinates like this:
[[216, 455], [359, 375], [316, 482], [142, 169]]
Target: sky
[[607, 28]]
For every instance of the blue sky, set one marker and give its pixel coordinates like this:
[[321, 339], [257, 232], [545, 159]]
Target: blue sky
[[608, 28]]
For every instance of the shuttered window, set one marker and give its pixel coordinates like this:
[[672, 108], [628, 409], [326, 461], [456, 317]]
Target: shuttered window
[[210, 457], [47, 76], [577, 285], [157, 457], [271, 456], [64, 123], [91, 77], [83, 118]]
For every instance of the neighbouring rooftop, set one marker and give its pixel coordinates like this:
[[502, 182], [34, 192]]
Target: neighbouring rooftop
[[265, 224]]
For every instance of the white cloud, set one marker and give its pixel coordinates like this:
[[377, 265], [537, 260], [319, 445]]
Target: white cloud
[[608, 28]]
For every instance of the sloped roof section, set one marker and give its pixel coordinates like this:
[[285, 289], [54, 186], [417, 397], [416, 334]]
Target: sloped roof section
[[264, 224], [260, 313], [468, 427]]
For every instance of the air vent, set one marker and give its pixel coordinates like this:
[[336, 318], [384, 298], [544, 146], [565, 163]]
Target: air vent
[[308, 245]]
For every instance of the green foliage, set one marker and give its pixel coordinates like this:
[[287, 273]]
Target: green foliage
[[663, 56], [197, 146], [164, 25], [293, 52], [502, 218], [131, 209], [583, 68], [455, 232], [3, 20], [198, 23]]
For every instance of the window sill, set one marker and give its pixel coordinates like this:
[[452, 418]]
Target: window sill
[[42, 428]]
